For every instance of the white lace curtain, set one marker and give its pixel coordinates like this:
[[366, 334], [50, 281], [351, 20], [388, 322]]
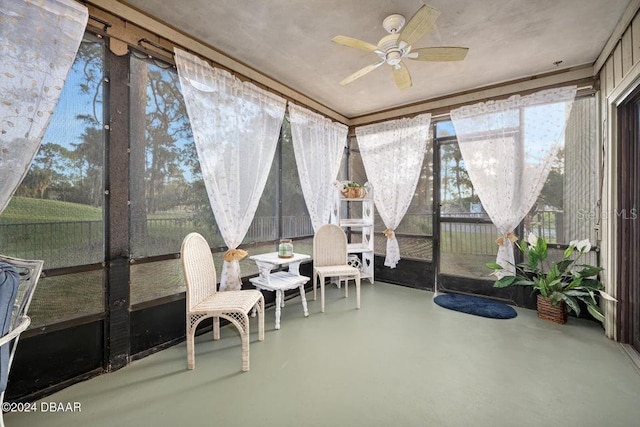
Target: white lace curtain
[[38, 44], [508, 148], [392, 153], [236, 126], [318, 145]]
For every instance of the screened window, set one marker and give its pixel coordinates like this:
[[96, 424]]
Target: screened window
[[168, 195], [566, 208], [56, 213], [415, 232]]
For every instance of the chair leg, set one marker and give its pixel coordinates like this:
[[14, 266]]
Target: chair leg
[[216, 328], [244, 336], [346, 287], [191, 356], [315, 276], [321, 293], [358, 291], [260, 306]]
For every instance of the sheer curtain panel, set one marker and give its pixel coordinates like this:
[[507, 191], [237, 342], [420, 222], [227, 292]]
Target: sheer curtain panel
[[38, 44], [392, 153], [508, 148], [236, 126], [318, 145]]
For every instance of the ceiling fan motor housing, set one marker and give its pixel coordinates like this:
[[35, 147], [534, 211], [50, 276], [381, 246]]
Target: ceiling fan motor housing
[[393, 23], [389, 45]]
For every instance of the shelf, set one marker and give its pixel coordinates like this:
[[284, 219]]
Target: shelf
[[364, 199], [357, 219], [357, 248], [355, 222]]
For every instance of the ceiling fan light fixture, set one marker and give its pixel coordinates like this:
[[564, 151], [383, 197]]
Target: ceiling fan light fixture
[[393, 57]]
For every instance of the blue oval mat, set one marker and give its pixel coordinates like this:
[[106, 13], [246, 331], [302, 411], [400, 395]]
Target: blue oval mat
[[477, 306]]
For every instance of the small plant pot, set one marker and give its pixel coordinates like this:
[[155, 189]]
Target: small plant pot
[[553, 313], [352, 193]]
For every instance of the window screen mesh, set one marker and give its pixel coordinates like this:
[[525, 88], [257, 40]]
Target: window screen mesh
[[168, 197]]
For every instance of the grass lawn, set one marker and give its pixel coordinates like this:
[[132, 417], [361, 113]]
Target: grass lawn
[[28, 210]]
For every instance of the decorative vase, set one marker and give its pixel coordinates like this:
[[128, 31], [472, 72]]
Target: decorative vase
[[553, 313], [285, 248]]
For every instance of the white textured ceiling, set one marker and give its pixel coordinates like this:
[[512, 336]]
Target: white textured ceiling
[[290, 41]]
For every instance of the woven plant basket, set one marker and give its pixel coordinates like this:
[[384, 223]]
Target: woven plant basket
[[352, 193], [553, 313]]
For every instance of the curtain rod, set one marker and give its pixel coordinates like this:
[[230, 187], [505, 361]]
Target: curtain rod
[[105, 24], [296, 96], [156, 45]]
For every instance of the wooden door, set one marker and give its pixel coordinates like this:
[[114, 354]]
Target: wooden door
[[628, 220]]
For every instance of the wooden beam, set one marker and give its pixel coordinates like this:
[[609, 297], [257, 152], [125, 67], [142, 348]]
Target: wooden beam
[[579, 75]]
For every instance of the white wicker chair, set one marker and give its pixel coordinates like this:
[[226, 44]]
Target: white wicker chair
[[204, 301], [29, 271], [330, 260]]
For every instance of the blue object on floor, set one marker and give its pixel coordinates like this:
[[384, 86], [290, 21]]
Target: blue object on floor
[[477, 306]]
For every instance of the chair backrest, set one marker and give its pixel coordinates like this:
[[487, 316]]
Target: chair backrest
[[199, 269], [28, 275], [29, 271], [329, 246]]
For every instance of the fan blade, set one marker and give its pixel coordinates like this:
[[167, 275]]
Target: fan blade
[[361, 73], [351, 42], [401, 76], [439, 54], [420, 24]]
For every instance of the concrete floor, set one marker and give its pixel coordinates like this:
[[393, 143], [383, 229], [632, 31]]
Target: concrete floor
[[400, 360]]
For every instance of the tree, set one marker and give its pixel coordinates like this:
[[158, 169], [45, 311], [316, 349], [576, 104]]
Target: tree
[[552, 194], [88, 157], [47, 171], [457, 188], [63, 169]]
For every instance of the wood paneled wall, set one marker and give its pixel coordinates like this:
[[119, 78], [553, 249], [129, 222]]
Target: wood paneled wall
[[618, 68]]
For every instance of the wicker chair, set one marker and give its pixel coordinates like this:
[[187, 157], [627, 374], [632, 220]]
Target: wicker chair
[[330, 260], [204, 301], [29, 272]]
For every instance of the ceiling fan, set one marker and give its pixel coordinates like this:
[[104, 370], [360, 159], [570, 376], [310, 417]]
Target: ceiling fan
[[398, 45]]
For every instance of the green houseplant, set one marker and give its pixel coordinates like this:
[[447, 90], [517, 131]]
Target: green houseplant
[[565, 282]]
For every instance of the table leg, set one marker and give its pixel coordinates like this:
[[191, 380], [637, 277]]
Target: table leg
[[304, 301], [278, 307]]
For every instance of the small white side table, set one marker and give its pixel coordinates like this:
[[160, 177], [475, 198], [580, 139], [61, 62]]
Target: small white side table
[[282, 280]]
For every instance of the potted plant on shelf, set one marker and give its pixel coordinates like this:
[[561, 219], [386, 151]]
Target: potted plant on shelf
[[353, 190], [560, 285]]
